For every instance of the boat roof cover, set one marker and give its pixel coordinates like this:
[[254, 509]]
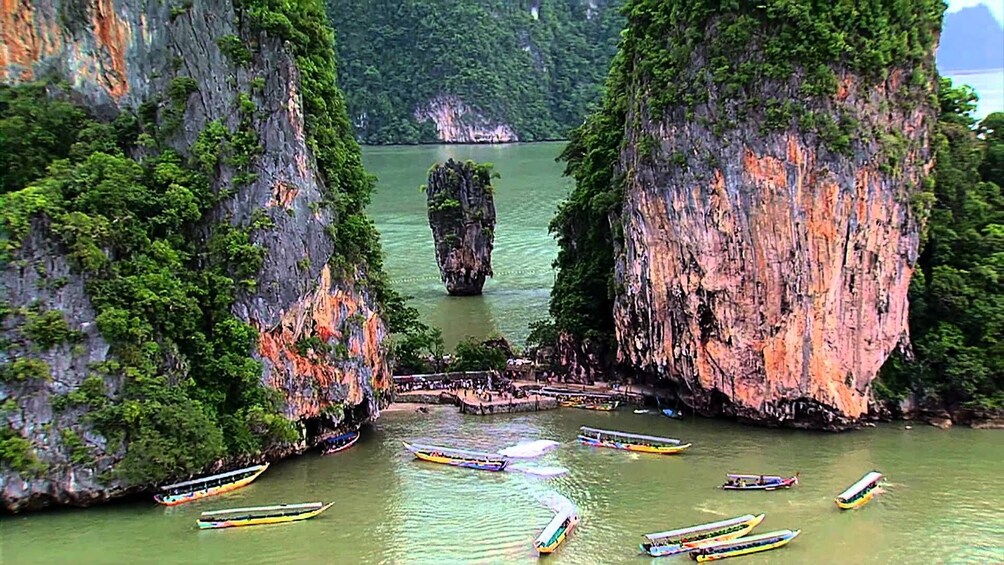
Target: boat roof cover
[[265, 508], [630, 436], [868, 479], [214, 477], [766, 537], [700, 528], [552, 526], [453, 451], [741, 476]]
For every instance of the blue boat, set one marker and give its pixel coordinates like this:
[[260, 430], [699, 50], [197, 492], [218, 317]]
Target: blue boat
[[670, 413]]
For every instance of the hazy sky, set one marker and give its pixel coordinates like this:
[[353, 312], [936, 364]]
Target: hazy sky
[[996, 6]]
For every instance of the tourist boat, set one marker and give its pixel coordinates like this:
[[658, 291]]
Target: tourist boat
[[260, 515], [742, 546], [630, 442], [860, 493], [589, 405], [758, 482], [340, 443], [187, 491], [556, 531], [686, 539], [459, 457]]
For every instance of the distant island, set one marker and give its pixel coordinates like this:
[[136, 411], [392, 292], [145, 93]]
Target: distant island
[[971, 40]]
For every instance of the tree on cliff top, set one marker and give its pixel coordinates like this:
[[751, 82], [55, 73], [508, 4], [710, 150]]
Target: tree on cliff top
[[957, 294]]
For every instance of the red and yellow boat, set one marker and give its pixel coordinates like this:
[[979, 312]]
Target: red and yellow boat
[[195, 489]]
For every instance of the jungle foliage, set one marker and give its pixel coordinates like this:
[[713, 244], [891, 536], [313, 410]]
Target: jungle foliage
[[957, 291], [537, 74]]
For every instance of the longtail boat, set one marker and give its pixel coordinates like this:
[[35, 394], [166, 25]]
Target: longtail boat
[[860, 493], [742, 546], [630, 442], [340, 443], [187, 491], [459, 457], [670, 413], [556, 531], [686, 539], [260, 515], [590, 405], [738, 481]]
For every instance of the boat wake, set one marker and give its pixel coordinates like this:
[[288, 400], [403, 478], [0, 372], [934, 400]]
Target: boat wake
[[538, 471], [710, 511], [530, 449], [556, 502]]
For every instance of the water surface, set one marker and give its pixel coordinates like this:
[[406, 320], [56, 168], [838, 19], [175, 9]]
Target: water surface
[[942, 505]]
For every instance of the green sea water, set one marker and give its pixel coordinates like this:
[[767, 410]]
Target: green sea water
[[942, 501]]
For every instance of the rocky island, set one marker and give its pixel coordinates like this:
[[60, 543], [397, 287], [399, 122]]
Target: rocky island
[[189, 278], [462, 218]]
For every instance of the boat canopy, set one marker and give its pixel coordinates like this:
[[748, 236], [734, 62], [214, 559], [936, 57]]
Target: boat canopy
[[552, 392], [304, 506], [210, 478], [630, 436], [699, 528], [553, 526], [867, 480], [741, 476], [346, 435], [763, 539], [453, 451]]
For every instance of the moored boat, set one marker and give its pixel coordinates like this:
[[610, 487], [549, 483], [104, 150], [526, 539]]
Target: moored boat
[[738, 481], [742, 546], [260, 515], [195, 489], [630, 442], [459, 457], [590, 405], [860, 493], [670, 413], [684, 540], [556, 531], [340, 443]]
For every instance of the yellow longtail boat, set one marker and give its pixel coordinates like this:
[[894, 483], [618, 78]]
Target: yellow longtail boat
[[685, 540], [556, 531], [742, 546], [195, 489], [260, 515], [860, 493], [631, 442]]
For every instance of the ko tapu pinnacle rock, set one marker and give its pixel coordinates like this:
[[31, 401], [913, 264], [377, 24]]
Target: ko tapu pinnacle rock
[[462, 218]]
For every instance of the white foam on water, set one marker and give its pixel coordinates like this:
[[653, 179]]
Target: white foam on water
[[546, 472], [530, 449]]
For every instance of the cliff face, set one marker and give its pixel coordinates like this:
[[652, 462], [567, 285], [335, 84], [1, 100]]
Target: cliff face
[[766, 233], [462, 218], [121, 56], [457, 122]]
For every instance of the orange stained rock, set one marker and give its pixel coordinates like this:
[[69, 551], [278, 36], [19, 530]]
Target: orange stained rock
[[112, 34], [322, 313], [283, 194], [24, 39], [766, 169]]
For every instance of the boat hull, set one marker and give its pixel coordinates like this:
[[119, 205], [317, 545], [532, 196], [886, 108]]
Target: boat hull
[[343, 447], [723, 534], [491, 466], [857, 503], [543, 549], [219, 524], [657, 450], [704, 557], [604, 407], [176, 499]]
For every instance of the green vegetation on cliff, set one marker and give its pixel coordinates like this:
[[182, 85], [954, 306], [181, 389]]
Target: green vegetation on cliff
[[180, 388], [957, 293], [536, 74]]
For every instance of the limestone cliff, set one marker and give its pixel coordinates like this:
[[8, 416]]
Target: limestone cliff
[[764, 169], [457, 122], [462, 218], [319, 335]]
